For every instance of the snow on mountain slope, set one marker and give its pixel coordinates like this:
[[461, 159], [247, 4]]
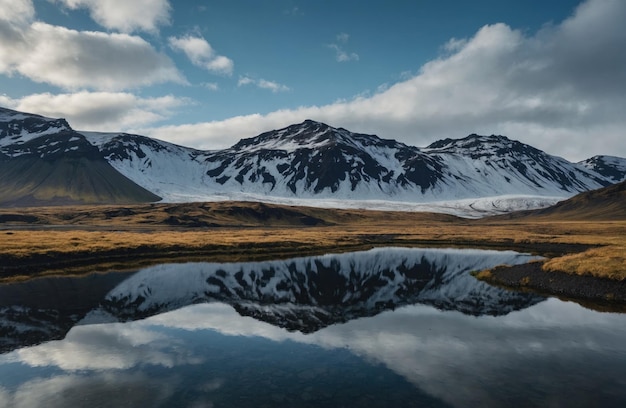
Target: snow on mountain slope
[[314, 164], [33, 135], [178, 174], [611, 167], [173, 172], [18, 128], [309, 293], [314, 160], [496, 163]]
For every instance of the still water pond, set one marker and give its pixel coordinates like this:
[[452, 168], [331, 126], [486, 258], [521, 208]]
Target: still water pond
[[390, 327]]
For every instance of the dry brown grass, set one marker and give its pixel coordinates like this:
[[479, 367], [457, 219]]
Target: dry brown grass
[[96, 234], [608, 262]]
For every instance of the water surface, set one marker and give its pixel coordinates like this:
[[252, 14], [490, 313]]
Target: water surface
[[387, 327]]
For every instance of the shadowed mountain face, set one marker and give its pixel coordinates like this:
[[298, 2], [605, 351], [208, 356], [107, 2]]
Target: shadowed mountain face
[[66, 180], [301, 294], [44, 162]]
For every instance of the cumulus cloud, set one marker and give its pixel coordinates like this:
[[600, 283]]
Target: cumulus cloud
[[74, 59], [123, 15], [263, 84], [17, 11], [99, 111], [561, 89], [201, 54], [340, 53]]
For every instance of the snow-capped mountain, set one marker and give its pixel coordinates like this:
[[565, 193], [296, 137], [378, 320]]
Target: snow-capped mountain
[[313, 160], [498, 163], [611, 167], [307, 294], [24, 135], [316, 164]]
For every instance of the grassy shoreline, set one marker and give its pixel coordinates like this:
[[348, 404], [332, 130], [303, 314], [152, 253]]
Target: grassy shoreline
[[58, 240], [593, 292]]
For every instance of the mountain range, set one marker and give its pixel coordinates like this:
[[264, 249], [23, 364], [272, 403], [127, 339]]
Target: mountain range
[[44, 161]]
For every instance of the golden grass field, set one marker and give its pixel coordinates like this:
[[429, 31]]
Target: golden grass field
[[57, 239]]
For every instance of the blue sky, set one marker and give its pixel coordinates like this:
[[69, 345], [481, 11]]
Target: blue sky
[[207, 73]]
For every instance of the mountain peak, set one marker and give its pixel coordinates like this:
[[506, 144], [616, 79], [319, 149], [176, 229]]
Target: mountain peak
[[611, 167], [471, 141], [18, 129], [309, 134], [478, 146], [7, 115]]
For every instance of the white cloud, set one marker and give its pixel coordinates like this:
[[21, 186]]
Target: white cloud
[[124, 15], [245, 81], [562, 90], [263, 84], [340, 54], [74, 59], [98, 111], [220, 65], [213, 86], [201, 54], [17, 11], [272, 86]]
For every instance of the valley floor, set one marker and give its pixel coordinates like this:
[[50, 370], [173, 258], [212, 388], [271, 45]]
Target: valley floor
[[64, 240]]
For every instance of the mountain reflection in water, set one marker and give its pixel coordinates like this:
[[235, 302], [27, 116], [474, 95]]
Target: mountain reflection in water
[[387, 327], [303, 294]]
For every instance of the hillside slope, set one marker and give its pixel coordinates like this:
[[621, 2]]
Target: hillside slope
[[44, 162], [36, 182], [604, 204]]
